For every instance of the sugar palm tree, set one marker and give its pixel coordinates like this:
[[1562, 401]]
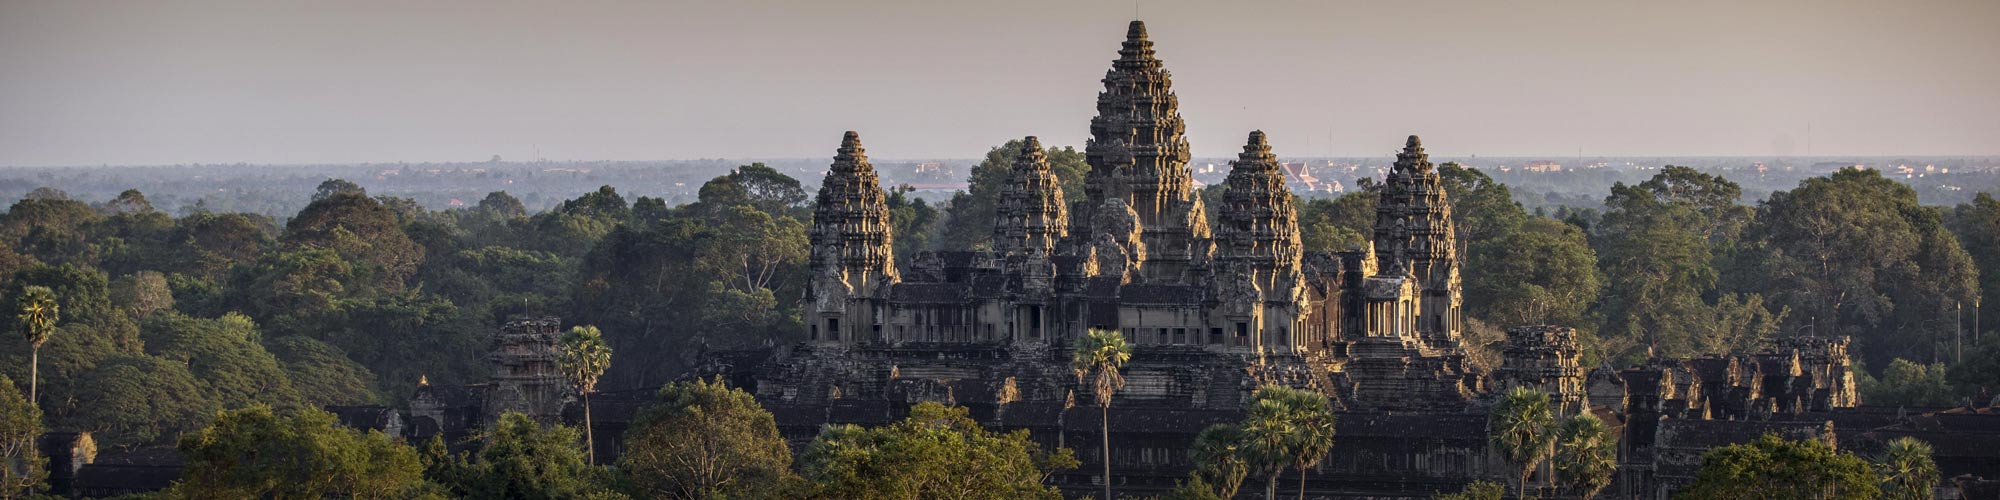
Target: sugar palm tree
[[1098, 356], [1218, 458], [583, 358], [1907, 470], [1312, 431], [1586, 455], [1268, 438], [38, 317], [1520, 427]]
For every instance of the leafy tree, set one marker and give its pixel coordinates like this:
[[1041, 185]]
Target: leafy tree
[[1478, 490], [37, 321], [583, 358], [142, 293], [1661, 245], [253, 453], [225, 355], [1855, 254], [1586, 455], [1312, 431], [337, 187], [22, 467], [1907, 470], [914, 221], [137, 401], [129, 202], [1522, 428], [524, 460], [1979, 375], [1285, 427], [502, 206], [321, 373], [1097, 358], [1777, 469], [1977, 225], [704, 440], [1532, 269], [1195, 488], [1905, 383], [1218, 455], [363, 232], [1539, 271], [1338, 223], [937, 452]]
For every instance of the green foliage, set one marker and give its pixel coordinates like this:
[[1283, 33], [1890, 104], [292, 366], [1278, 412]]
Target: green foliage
[[1531, 269], [1285, 427], [1977, 225], [225, 356], [1097, 359], [705, 440], [253, 453], [1906, 469], [1220, 460], [1905, 383], [1336, 224], [937, 452], [38, 314], [1522, 428], [1586, 455], [1776, 469], [321, 373], [362, 232], [22, 466], [1854, 254], [1662, 244], [1478, 490], [522, 460], [136, 401]]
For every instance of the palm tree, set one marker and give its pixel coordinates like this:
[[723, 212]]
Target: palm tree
[[583, 358], [1268, 437], [1098, 356], [1519, 426], [1586, 455], [39, 314], [1218, 458], [1312, 430], [1907, 469]]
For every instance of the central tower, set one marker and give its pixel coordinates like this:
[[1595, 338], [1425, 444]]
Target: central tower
[[1138, 155]]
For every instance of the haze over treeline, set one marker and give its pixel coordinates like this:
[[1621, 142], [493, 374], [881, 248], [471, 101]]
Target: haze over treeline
[[219, 81]]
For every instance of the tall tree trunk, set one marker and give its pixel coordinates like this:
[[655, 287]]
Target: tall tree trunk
[[589, 437], [1302, 483], [35, 377], [1104, 418], [1271, 485]]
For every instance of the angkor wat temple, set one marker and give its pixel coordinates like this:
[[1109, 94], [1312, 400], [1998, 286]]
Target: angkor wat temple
[[1213, 312]]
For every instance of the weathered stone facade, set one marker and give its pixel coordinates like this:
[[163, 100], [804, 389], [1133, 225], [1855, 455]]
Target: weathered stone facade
[[1212, 316]]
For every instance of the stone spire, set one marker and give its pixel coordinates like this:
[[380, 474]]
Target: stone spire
[[850, 234], [1030, 215], [1258, 231], [1138, 153], [1413, 231]]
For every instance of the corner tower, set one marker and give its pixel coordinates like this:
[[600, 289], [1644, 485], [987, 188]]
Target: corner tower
[[1030, 216], [1413, 235], [852, 258], [1259, 225], [1138, 155]]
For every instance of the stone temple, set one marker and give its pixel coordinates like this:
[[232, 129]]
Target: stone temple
[[1213, 311]]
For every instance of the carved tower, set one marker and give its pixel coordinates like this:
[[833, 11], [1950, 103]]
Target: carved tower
[[1138, 156], [1030, 217], [852, 257], [526, 378], [1258, 238], [1413, 232]]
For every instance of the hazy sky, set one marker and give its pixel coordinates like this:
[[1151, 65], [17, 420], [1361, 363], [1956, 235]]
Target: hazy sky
[[152, 82]]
